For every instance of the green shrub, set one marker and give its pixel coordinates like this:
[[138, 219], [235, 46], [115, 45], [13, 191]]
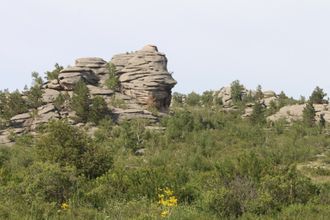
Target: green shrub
[[81, 101], [309, 114], [317, 96], [51, 75], [97, 110], [49, 182], [193, 99], [67, 145], [179, 124], [236, 91], [113, 81]]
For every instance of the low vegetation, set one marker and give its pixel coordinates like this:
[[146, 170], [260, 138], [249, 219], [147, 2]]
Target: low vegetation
[[207, 164]]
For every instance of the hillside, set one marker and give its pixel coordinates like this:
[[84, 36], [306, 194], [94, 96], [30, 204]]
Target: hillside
[[109, 140]]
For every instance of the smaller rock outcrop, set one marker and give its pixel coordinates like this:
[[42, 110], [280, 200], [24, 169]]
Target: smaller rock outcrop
[[225, 95], [295, 112]]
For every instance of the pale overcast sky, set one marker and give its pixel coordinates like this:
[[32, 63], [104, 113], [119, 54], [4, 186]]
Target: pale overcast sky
[[280, 44]]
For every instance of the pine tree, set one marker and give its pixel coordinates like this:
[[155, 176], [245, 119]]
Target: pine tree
[[113, 81], [258, 115], [259, 94], [50, 75], [322, 122], [236, 91], [98, 109], [309, 114], [317, 96], [80, 101], [34, 94]]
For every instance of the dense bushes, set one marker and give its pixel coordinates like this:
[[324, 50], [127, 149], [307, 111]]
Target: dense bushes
[[218, 165], [66, 145]]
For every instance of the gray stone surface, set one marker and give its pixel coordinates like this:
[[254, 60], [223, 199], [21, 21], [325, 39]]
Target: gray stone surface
[[50, 95]]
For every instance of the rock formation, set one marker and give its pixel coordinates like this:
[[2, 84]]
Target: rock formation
[[144, 82], [143, 75]]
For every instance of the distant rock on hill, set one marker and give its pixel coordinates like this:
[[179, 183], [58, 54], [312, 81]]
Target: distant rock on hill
[[292, 113], [226, 97], [144, 82]]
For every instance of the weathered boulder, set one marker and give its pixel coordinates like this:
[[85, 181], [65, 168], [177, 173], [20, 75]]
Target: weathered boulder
[[94, 90], [53, 84], [70, 76], [95, 64], [21, 120], [267, 101], [90, 62], [269, 94], [225, 95], [45, 114], [49, 95], [129, 114], [143, 75]]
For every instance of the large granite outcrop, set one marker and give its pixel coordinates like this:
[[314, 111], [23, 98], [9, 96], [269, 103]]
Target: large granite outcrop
[[144, 82], [143, 75]]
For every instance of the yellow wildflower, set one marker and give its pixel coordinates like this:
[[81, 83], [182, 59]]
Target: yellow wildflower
[[167, 201], [173, 201], [65, 206], [164, 213], [168, 191]]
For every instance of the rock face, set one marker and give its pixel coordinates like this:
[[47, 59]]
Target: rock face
[[144, 82], [143, 75]]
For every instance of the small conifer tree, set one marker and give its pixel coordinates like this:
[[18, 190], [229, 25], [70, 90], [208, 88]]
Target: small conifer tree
[[258, 115], [317, 96], [80, 101], [236, 91], [309, 114], [322, 122]]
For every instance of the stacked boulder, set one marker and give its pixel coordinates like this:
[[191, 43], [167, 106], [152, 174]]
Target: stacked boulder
[[143, 75]]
